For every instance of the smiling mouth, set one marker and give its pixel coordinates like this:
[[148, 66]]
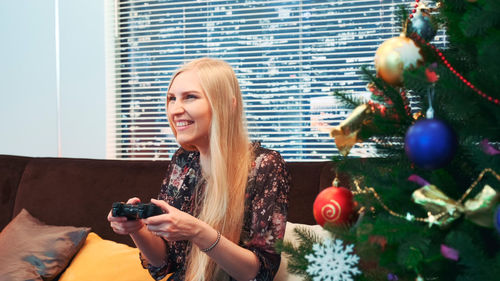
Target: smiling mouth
[[183, 123]]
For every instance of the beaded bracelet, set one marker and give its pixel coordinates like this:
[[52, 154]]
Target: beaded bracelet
[[214, 244]]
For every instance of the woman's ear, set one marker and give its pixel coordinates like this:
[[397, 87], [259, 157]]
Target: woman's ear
[[234, 106]]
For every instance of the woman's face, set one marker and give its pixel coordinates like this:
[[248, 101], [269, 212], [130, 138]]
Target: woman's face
[[189, 111]]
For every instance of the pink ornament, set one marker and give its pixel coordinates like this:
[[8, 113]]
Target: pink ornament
[[449, 253]]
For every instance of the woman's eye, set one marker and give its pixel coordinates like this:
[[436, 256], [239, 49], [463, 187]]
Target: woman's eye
[[169, 99], [191, 97]]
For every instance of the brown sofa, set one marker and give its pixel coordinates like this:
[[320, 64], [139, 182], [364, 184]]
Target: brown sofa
[[80, 192]]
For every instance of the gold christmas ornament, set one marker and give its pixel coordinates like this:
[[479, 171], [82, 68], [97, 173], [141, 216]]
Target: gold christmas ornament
[[346, 134], [395, 56]]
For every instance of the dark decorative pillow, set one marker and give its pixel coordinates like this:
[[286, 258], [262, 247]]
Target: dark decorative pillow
[[32, 250]]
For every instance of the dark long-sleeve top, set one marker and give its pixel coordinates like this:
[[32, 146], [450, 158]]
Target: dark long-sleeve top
[[266, 204]]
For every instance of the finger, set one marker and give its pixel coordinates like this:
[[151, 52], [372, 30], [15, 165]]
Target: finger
[[162, 204], [126, 227], [159, 234], [116, 219], [125, 231], [155, 230], [157, 221], [134, 201], [162, 227], [120, 231], [118, 228]]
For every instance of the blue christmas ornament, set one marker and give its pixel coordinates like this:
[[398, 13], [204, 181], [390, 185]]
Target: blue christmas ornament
[[430, 144]]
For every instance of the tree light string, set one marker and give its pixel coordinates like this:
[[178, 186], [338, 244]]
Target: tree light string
[[414, 9], [454, 71], [415, 36]]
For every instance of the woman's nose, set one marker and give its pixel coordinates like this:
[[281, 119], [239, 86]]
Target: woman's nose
[[177, 107]]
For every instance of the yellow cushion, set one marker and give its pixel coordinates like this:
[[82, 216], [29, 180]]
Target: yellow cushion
[[101, 259]]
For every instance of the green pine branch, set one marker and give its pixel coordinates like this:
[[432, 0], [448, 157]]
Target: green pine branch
[[297, 262], [388, 244], [348, 99], [480, 18]]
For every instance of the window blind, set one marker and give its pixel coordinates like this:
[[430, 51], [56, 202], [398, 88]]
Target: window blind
[[289, 56]]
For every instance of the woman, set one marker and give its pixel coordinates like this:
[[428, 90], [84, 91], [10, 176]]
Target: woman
[[225, 199]]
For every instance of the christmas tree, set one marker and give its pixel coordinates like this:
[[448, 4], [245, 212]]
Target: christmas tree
[[429, 209]]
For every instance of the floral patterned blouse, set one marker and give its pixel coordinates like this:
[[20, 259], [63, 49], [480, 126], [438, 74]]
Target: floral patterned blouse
[[265, 209]]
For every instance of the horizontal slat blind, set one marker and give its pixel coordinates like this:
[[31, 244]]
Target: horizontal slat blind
[[288, 55]]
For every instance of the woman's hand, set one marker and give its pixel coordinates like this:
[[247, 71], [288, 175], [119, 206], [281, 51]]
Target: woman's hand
[[174, 225], [123, 226]]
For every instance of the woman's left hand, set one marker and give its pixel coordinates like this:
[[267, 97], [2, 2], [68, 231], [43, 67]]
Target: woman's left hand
[[174, 225]]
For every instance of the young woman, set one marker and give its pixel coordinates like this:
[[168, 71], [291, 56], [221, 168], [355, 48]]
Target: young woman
[[225, 199]]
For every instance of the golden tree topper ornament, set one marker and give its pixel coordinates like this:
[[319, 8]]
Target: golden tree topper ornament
[[346, 134]]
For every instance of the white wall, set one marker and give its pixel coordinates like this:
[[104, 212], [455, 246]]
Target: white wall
[[28, 119]]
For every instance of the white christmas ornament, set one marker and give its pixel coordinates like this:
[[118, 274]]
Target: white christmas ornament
[[330, 261]]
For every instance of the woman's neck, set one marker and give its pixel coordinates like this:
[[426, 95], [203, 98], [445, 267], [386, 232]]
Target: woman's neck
[[205, 161]]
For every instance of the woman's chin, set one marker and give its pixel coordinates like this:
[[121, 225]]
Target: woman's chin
[[186, 144]]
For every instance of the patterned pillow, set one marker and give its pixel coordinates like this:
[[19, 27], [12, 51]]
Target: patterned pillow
[[32, 250]]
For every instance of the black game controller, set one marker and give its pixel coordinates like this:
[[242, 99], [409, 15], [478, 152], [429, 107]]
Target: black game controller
[[133, 212]]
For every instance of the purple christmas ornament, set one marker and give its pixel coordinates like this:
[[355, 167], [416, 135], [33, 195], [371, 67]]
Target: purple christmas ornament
[[488, 148], [392, 277], [449, 253]]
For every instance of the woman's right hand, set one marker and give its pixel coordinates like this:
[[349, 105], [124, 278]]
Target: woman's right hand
[[121, 225]]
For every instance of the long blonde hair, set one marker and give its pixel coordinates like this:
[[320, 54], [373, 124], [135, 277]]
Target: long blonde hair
[[230, 159]]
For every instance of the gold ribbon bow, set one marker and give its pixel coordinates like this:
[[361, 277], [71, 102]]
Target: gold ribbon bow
[[445, 210], [346, 134]]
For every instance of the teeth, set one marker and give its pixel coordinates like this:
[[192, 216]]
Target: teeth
[[182, 123]]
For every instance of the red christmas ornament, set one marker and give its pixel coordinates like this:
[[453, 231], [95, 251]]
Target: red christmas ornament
[[333, 205]]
